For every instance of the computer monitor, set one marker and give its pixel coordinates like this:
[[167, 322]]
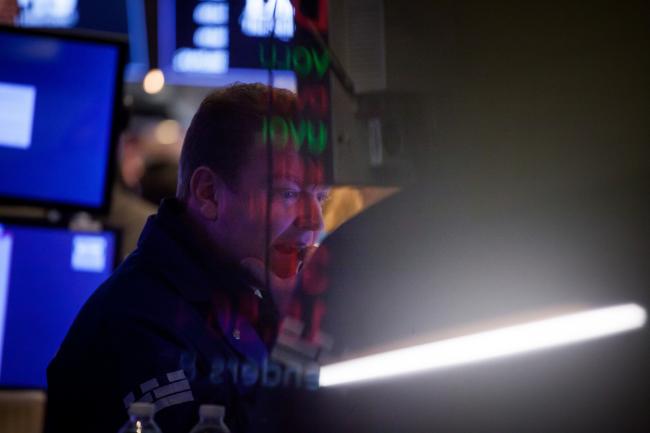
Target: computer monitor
[[216, 43], [46, 275], [60, 95], [125, 17]]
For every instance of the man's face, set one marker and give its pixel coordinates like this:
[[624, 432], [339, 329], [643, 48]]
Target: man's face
[[296, 219]]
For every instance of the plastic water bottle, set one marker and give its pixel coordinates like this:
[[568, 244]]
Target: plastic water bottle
[[140, 419], [211, 420]]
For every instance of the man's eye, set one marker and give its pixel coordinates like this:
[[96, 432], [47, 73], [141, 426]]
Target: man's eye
[[288, 194]]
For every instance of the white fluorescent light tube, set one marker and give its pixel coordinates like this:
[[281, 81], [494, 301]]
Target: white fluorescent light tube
[[556, 331]]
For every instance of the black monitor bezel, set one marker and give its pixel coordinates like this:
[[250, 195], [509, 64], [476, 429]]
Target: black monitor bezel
[[62, 225], [118, 116]]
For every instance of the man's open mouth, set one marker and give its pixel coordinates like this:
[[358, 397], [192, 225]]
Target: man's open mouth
[[287, 258]]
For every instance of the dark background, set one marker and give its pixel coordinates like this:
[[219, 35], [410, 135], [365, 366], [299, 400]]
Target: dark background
[[532, 196]]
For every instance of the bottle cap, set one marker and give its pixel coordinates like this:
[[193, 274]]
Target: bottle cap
[[211, 411], [141, 409]]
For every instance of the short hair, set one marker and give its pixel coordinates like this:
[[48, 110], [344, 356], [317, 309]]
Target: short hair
[[224, 129]]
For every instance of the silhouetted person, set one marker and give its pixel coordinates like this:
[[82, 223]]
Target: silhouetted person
[[192, 302]]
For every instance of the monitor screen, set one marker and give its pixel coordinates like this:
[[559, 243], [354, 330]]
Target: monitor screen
[[125, 17], [58, 114], [217, 43], [46, 274]]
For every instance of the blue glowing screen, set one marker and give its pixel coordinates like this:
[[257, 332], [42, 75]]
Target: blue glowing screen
[[56, 118], [46, 274]]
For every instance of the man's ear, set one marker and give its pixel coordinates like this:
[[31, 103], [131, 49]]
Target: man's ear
[[205, 192]]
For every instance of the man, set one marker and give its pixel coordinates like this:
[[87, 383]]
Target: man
[[191, 305]]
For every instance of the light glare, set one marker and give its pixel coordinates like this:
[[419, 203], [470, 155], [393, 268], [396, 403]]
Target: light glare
[[168, 132], [154, 81], [512, 340]]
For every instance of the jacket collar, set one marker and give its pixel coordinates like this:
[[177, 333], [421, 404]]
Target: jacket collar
[[170, 244]]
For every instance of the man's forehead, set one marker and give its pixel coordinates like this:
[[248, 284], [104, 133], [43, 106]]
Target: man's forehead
[[291, 165]]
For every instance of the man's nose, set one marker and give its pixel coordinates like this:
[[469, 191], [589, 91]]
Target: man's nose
[[310, 213]]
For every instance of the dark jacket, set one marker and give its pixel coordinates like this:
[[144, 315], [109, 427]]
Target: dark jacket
[[171, 326]]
